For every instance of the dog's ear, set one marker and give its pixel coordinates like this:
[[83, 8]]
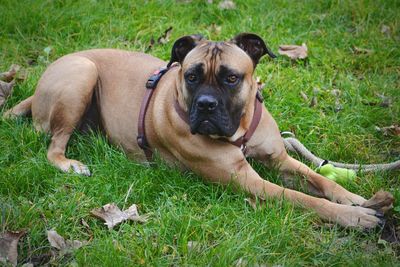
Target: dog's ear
[[253, 45], [182, 47]]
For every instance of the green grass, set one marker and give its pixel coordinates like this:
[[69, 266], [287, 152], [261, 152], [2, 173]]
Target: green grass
[[37, 197]]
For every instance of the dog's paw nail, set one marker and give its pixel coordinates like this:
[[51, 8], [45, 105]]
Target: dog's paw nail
[[379, 214]]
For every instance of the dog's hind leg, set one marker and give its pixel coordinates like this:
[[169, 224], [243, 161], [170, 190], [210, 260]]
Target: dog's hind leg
[[21, 109], [63, 95]]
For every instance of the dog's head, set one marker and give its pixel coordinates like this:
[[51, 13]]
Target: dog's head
[[216, 80]]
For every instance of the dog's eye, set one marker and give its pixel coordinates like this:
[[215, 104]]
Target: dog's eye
[[191, 78], [232, 79]]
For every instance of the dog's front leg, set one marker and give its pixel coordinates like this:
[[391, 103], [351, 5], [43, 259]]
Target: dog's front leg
[[227, 165], [267, 146], [320, 184]]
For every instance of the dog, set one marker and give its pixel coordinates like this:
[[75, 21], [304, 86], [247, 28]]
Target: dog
[[204, 102]]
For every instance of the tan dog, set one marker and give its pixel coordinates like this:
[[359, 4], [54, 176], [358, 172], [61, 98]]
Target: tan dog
[[213, 83]]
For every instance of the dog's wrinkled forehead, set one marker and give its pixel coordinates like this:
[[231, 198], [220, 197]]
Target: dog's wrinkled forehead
[[214, 55]]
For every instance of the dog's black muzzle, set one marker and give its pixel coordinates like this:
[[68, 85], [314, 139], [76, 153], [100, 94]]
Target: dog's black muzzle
[[208, 116]]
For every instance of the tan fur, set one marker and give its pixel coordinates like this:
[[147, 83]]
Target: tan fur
[[116, 79]]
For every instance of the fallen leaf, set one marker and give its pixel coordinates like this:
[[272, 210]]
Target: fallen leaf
[[294, 51], [64, 246], [362, 51], [389, 130], [386, 30], [226, 4], [56, 241], [9, 246], [164, 38], [5, 91], [113, 216], [9, 75]]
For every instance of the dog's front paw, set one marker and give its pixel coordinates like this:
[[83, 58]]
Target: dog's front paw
[[382, 201], [354, 216]]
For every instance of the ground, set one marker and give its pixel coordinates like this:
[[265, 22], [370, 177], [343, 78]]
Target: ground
[[37, 197]]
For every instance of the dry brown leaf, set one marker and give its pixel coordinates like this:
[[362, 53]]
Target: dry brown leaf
[[294, 51], [362, 51], [56, 241], [113, 216], [5, 91], [64, 246], [9, 247], [164, 38], [9, 75], [389, 130], [226, 4]]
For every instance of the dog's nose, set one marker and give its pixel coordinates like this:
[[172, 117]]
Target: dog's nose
[[206, 103]]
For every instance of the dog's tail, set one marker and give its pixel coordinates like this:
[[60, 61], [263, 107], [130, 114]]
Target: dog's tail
[[21, 109]]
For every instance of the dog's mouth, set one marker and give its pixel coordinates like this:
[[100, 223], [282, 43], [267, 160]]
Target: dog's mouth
[[205, 127], [216, 124]]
